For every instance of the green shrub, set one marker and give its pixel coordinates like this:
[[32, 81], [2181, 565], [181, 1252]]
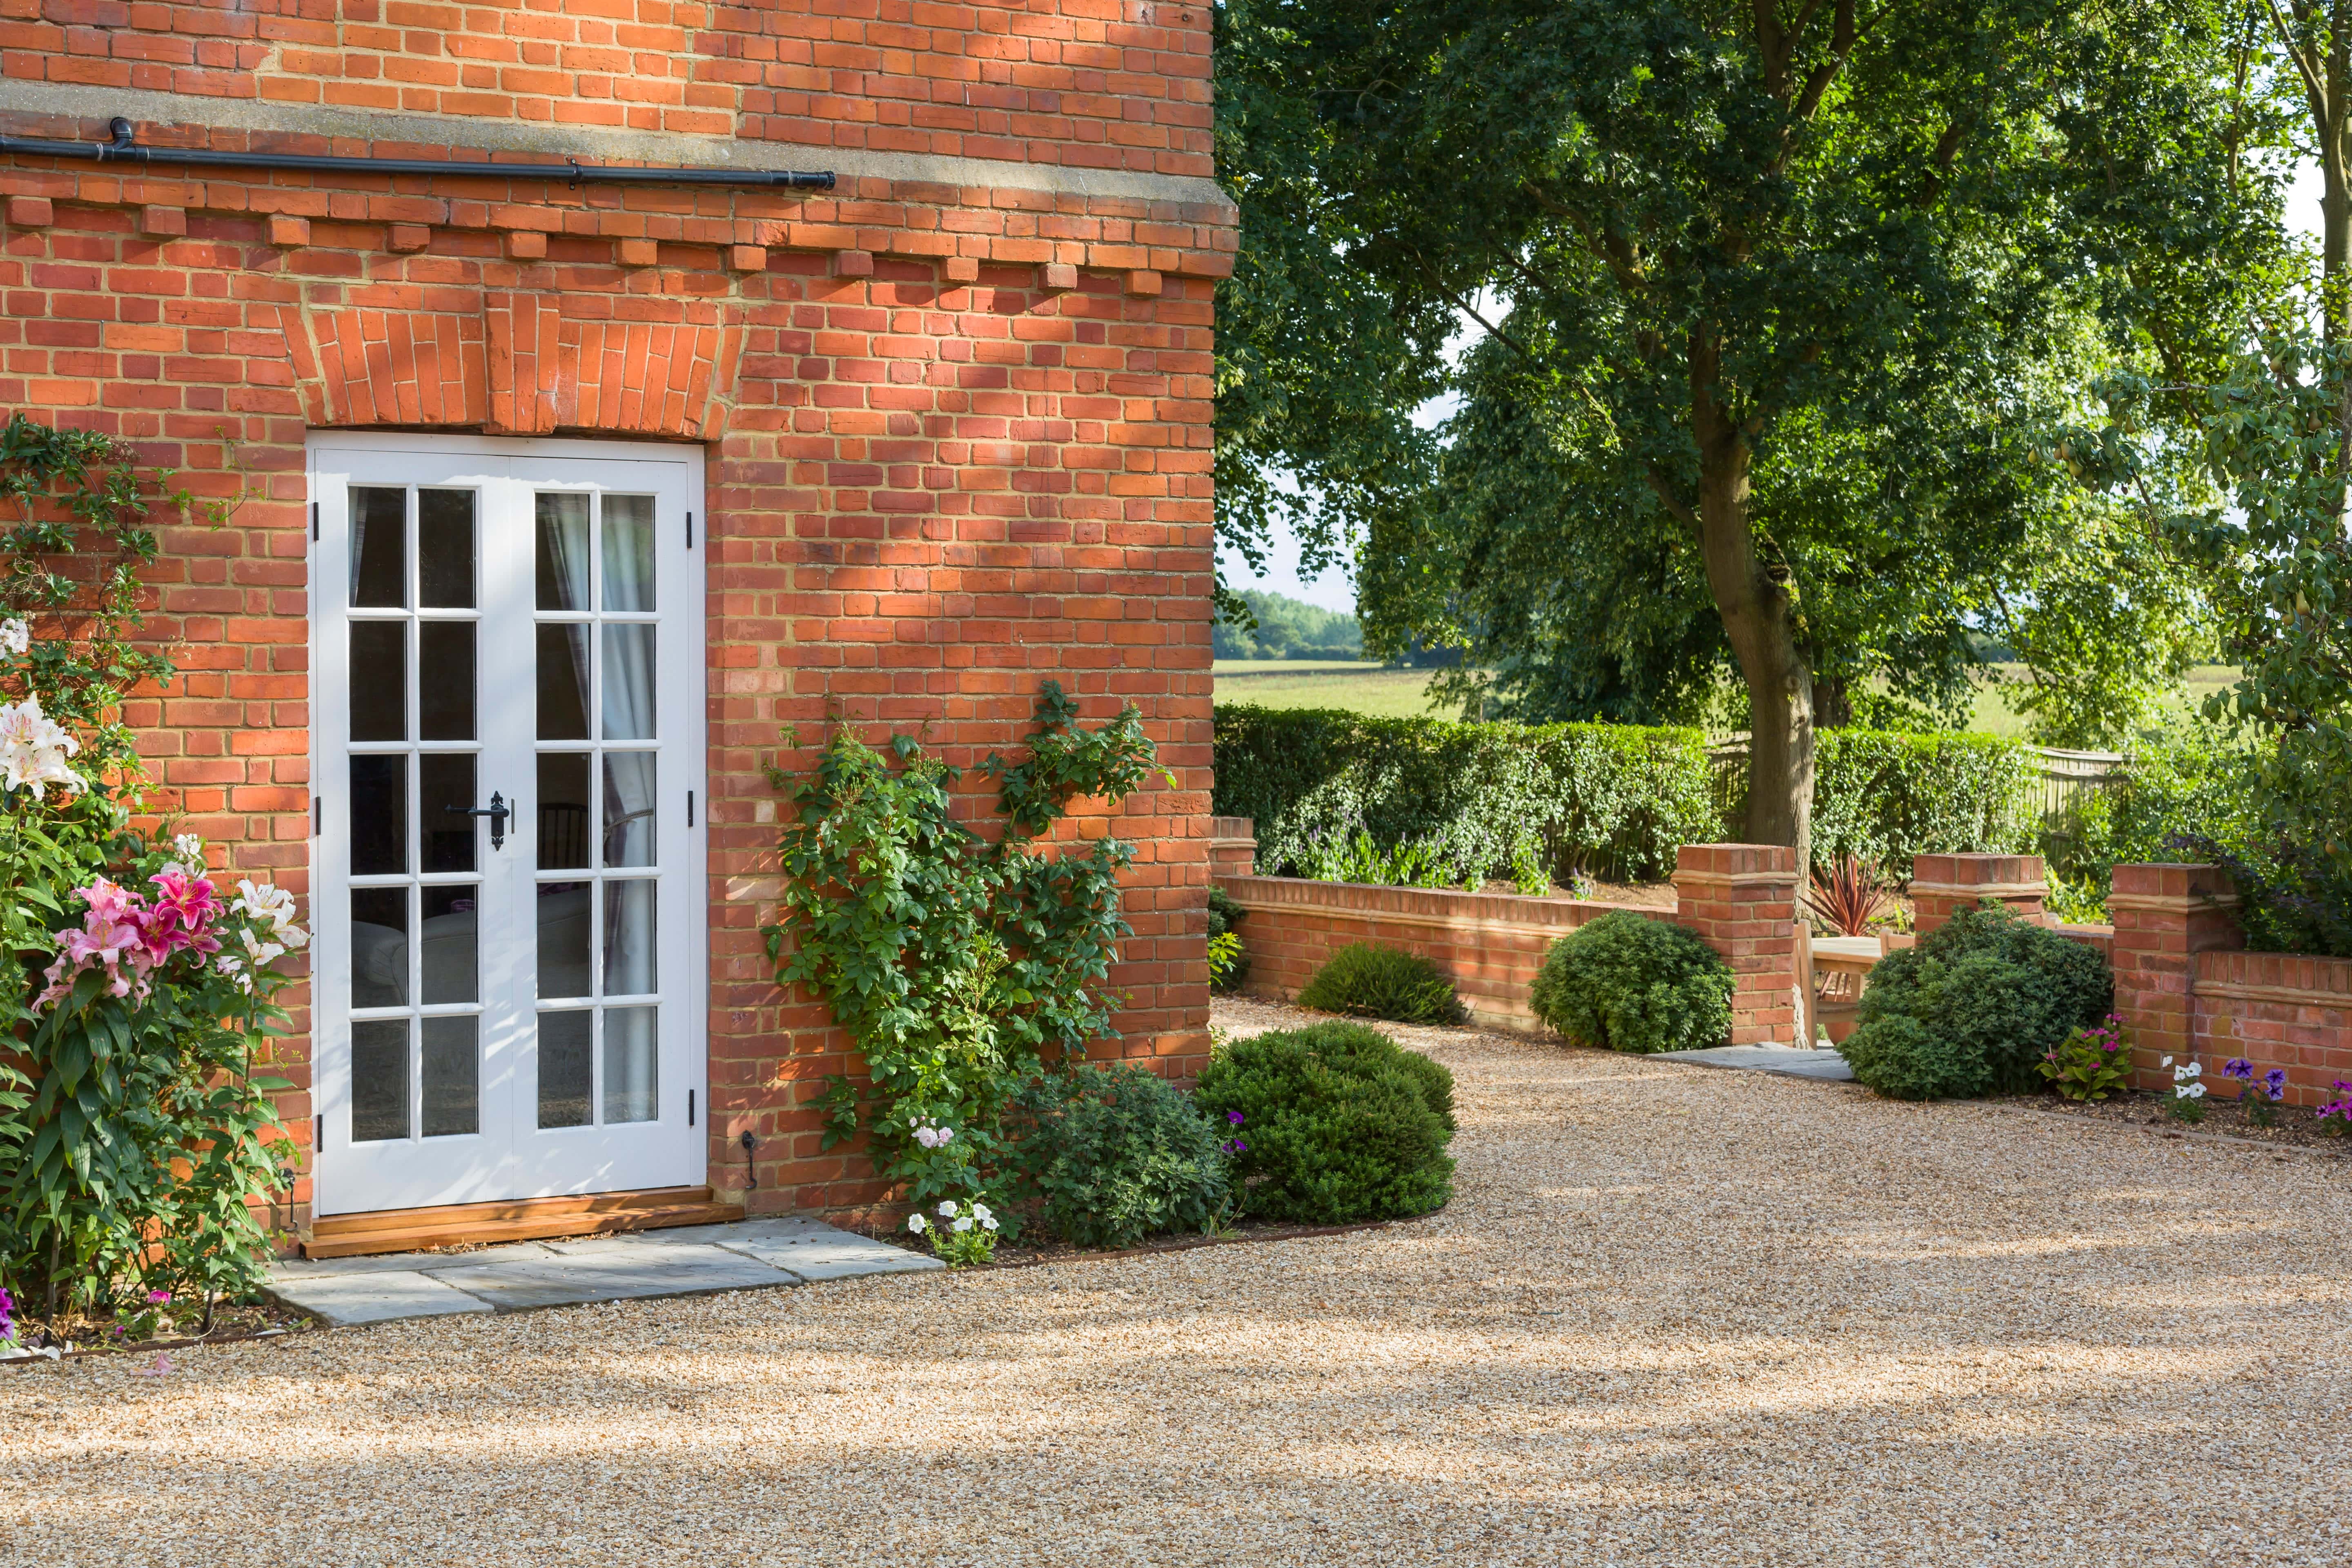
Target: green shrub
[[1331, 1125], [1368, 981], [1228, 959], [1974, 1007], [2195, 783], [1627, 983], [1115, 1154]]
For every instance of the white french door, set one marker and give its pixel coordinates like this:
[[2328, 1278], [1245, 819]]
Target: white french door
[[507, 728]]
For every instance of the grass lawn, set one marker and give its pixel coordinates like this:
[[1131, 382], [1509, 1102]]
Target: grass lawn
[[1384, 693]]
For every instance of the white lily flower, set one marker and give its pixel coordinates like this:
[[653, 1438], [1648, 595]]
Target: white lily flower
[[189, 847]]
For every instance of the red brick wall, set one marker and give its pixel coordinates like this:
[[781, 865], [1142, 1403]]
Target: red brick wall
[[1740, 896], [1111, 84], [958, 442], [1489, 945]]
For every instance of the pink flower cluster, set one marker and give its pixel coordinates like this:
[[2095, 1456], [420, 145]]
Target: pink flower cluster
[[132, 935]]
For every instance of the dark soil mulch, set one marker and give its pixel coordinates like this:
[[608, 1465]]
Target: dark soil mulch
[[2297, 1127], [80, 1336]]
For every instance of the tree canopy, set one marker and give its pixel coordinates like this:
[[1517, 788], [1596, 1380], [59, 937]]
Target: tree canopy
[[1776, 305]]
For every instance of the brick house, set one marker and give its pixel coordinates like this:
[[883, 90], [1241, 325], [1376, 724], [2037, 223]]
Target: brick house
[[568, 494]]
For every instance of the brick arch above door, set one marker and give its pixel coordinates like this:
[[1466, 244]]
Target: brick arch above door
[[520, 365]]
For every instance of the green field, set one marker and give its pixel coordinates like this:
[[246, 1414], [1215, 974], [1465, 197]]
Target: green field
[[1401, 693]]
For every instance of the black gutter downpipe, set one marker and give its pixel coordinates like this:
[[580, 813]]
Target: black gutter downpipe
[[125, 149]]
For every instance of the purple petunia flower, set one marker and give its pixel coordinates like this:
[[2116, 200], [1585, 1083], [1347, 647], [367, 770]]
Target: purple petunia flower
[[1234, 1116], [2274, 1082], [2238, 1068]]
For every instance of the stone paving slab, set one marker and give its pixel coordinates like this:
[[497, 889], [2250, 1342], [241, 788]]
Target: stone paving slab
[[691, 1261], [379, 1296], [831, 1253], [1788, 1060], [614, 1277]]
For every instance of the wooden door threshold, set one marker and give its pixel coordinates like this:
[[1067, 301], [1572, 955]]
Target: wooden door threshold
[[521, 1219]]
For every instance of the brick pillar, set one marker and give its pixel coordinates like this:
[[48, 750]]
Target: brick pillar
[[1233, 846], [1742, 897], [2164, 917], [1942, 884]]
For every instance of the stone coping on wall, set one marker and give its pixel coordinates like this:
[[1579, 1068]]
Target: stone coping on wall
[[1517, 914]]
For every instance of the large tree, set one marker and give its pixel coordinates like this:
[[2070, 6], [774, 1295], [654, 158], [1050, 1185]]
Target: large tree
[[1770, 293]]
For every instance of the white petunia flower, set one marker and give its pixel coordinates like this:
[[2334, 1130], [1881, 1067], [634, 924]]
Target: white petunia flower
[[962, 1225], [16, 637], [988, 1224], [2164, 1063], [947, 1209], [915, 1223]]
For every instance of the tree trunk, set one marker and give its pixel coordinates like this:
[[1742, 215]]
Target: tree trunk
[[1756, 603], [1833, 702]]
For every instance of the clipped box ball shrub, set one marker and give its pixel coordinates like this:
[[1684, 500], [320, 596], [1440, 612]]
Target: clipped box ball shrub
[[1332, 1124], [1974, 1006], [1369, 980], [1115, 1153], [1627, 983]]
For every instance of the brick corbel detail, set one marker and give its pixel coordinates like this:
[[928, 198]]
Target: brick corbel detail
[[2164, 917], [1742, 899]]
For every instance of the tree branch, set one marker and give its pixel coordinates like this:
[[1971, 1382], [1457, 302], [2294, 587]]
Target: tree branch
[[2305, 66], [1679, 508]]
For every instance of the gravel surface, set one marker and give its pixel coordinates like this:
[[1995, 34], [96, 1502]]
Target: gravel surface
[[1673, 1315]]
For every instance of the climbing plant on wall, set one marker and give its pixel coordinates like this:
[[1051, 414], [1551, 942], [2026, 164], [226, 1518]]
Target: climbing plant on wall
[[956, 960]]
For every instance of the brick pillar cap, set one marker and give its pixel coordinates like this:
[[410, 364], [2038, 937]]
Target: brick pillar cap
[[1735, 859]]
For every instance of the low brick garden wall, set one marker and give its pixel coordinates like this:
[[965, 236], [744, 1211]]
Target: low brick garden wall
[[2183, 984], [1740, 896]]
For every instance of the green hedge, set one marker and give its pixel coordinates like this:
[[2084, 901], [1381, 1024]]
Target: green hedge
[[1475, 801], [1887, 798], [1478, 800], [2197, 783]]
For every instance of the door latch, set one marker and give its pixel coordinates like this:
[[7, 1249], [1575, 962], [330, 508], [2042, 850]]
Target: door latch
[[496, 811]]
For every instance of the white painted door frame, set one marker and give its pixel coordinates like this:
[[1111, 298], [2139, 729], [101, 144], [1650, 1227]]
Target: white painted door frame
[[603, 897]]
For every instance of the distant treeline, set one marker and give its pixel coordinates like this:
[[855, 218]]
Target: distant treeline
[[1289, 628]]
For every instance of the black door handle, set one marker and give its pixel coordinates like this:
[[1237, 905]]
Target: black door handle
[[496, 811]]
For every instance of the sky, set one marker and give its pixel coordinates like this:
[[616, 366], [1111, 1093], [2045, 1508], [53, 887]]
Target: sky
[[1336, 589]]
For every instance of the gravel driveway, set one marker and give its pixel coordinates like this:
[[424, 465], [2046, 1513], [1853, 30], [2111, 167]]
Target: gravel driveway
[[1673, 1315]]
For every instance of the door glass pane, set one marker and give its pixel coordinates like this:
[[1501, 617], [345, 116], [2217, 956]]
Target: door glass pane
[[445, 549], [563, 811], [629, 939], [560, 568], [563, 683], [444, 790], [628, 808], [380, 947], [629, 683], [379, 1080], [628, 553], [451, 949], [444, 680], [452, 1072], [565, 1064], [379, 547], [379, 815], [564, 915], [379, 680], [630, 1090]]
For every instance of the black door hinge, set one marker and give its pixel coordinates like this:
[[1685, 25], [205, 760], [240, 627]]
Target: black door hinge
[[689, 808], [690, 1108], [314, 519], [689, 531]]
